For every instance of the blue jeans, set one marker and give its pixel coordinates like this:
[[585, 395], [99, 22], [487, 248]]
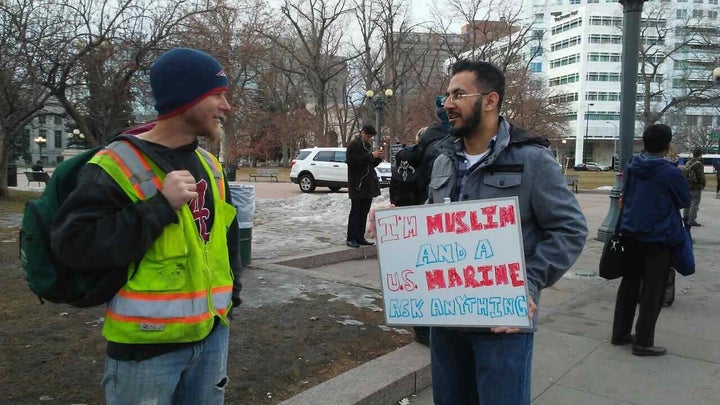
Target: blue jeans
[[480, 368], [196, 374]]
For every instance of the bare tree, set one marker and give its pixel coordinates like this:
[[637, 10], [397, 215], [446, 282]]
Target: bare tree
[[691, 52], [314, 48], [20, 95]]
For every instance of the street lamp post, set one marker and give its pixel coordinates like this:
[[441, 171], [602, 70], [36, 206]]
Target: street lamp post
[[587, 124], [615, 138], [632, 11], [40, 141], [76, 139], [379, 101]]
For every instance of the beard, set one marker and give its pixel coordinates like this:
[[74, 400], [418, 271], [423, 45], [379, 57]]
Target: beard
[[212, 136], [471, 124]]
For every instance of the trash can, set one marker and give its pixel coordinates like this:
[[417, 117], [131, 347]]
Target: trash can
[[12, 175], [243, 197], [230, 172]]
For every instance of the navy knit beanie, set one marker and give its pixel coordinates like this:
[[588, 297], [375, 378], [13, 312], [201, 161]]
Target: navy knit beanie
[[181, 77]]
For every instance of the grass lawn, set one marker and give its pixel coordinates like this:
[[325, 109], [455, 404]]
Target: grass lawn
[[587, 181], [593, 180]]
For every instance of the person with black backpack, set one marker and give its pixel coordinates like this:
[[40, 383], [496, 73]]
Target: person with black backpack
[[411, 174], [167, 239], [413, 164]]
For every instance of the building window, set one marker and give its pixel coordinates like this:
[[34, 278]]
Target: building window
[[593, 1], [571, 78], [536, 67], [536, 51], [653, 40], [603, 57], [712, 14], [606, 21], [681, 14], [605, 39], [41, 120], [574, 2], [563, 98], [713, 2], [57, 139], [682, 1], [602, 96], [602, 77], [539, 17], [568, 60], [575, 23], [697, 13], [566, 43], [656, 78], [58, 120]]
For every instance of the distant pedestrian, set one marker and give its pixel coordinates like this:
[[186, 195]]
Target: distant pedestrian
[[363, 184], [716, 165], [490, 158], [695, 175], [37, 167], [653, 194]]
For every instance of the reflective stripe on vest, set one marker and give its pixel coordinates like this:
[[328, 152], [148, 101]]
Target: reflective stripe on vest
[[135, 166], [216, 168], [165, 308]]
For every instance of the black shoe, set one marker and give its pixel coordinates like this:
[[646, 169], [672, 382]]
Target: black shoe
[[352, 243], [648, 351], [365, 242], [623, 340], [695, 223]]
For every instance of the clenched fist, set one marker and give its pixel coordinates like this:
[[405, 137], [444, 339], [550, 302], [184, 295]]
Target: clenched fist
[[179, 188]]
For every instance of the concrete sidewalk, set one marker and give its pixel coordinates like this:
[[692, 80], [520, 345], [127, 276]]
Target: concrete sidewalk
[[574, 362]]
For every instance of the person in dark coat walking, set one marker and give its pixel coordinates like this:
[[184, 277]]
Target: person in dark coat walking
[[363, 184]]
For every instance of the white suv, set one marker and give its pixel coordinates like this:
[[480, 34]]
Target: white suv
[[326, 167]]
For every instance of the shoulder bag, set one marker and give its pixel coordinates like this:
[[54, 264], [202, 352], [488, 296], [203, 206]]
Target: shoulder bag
[[611, 259], [683, 257]]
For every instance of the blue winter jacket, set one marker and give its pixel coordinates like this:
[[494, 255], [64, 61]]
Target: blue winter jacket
[[654, 193]]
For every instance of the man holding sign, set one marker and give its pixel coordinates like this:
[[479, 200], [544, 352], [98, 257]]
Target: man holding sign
[[492, 159]]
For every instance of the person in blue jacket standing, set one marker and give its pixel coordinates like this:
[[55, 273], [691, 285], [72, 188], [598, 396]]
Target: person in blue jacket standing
[[654, 193]]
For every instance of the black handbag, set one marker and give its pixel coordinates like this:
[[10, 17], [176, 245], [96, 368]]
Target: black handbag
[[611, 259]]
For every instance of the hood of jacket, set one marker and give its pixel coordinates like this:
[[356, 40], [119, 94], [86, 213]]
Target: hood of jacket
[[646, 165]]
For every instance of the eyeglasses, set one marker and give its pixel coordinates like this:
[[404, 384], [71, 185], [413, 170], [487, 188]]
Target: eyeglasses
[[457, 96]]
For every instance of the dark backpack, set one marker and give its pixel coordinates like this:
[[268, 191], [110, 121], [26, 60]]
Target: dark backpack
[[46, 276], [412, 168]]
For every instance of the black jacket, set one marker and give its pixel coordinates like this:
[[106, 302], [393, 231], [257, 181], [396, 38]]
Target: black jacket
[[362, 179], [413, 167], [98, 228]]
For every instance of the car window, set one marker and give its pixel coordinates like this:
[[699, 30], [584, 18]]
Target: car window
[[340, 157], [302, 155], [324, 156]]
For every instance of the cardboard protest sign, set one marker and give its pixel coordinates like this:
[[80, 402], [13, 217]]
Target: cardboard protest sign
[[455, 264]]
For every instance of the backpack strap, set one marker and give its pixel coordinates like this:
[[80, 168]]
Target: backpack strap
[[215, 167], [135, 166]]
